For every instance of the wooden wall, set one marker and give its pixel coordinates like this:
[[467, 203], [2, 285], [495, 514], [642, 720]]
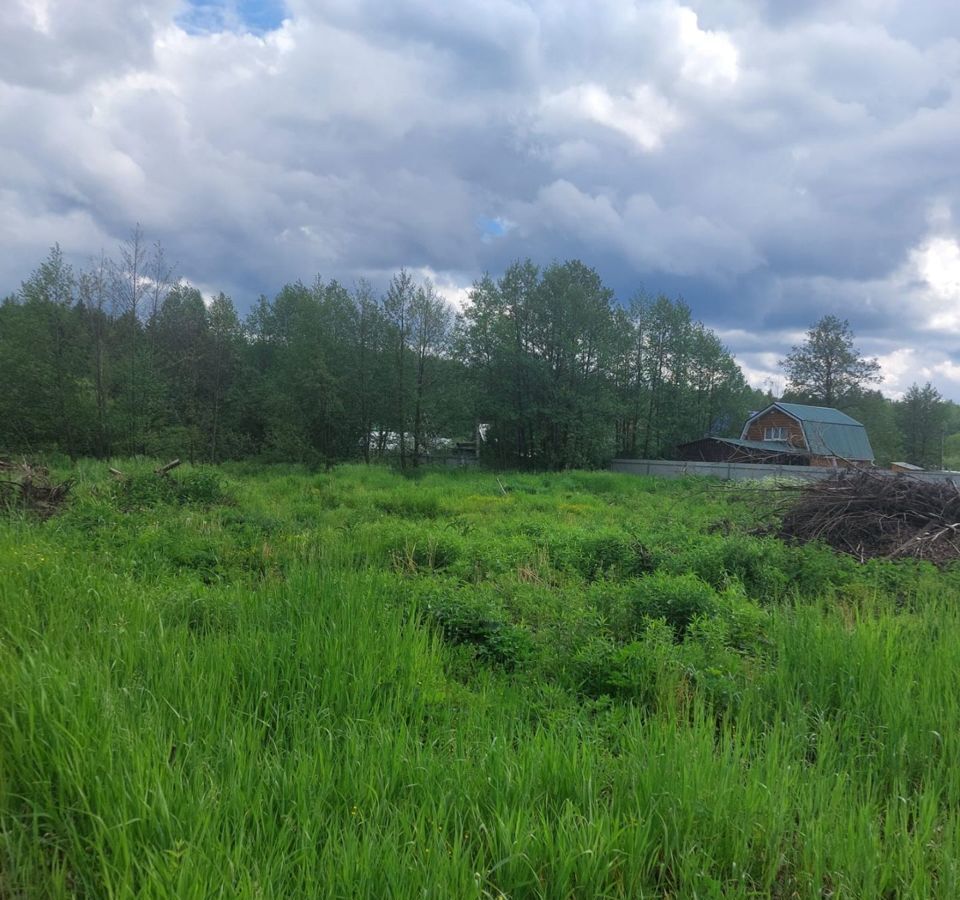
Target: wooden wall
[[776, 419]]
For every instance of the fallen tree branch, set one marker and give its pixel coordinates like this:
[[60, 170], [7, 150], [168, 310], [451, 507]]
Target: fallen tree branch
[[30, 489], [169, 467]]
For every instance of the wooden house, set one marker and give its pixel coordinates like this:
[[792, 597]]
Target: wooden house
[[790, 434]]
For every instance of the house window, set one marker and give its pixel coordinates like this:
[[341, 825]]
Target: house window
[[776, 433]]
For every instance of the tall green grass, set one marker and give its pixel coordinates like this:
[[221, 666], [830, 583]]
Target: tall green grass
[[292, 686]]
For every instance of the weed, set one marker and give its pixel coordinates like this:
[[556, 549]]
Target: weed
[[471, 618], [144, 489], [676, 599], [270, 681]]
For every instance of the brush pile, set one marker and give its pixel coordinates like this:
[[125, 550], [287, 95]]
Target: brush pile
[[876, 514], [24, 486]]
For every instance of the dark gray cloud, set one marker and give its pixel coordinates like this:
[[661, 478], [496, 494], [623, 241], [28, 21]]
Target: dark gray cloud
[[771, 161]]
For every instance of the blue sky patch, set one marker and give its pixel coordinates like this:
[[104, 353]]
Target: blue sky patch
[[210, 16], [491, 228]]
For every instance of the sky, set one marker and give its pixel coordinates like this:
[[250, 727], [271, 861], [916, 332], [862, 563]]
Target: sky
[[770, 161]]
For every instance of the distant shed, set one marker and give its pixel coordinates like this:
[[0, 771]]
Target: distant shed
[[905, 468]]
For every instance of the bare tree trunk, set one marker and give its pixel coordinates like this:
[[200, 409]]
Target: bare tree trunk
[[98, 295], [418, 410], [401, 411], [216, 402], [129, 288]]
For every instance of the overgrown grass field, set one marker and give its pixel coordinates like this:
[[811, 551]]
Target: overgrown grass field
[[254, 682]]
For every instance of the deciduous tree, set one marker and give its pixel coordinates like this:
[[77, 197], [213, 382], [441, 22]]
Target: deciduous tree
[[826, 368], [921, 414]]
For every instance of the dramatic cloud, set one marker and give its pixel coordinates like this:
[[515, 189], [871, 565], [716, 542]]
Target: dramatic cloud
[[769, 161]]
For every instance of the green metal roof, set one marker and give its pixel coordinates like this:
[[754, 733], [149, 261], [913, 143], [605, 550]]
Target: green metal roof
[[823, 414], [829, 432]]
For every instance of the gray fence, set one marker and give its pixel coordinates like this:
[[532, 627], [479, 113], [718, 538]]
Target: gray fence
[[665, 468]]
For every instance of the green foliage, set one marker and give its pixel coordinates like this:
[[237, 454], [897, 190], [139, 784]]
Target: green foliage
[[636, 671], [594, 552], [879, 416], [410, 506], [951, 452], [204, 615], [677, 599], [125, 358], [757, 564], [716, 669], [567, 378], [145, 489], [473, 618], [826, 369], [264, 698], [922, 415]]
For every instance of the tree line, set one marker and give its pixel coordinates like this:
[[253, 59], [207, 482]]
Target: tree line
[[124, 358]]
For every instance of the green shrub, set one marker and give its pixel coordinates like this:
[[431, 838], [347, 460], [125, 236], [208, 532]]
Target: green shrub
[[611, 552], [488, 556], [634, 671], [645, 669], [200, 486], [600, 483], [745, 623], [143, 490], [591, 667], [677, 599], [593, 553], [812, 569], [470, 618], [91, 512], [612, 598], [709, 662], [757, 563], [639, 667], [157, 549]]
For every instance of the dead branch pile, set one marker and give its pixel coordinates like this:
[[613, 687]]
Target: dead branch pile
[[872, 514], [25, 486]]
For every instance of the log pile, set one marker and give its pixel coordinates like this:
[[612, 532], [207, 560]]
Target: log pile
[[25, 486], [872, 514]]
